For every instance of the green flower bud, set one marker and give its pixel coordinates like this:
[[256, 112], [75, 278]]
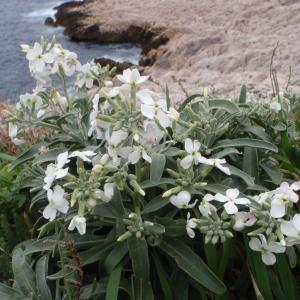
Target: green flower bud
[[172, 191], [124, 236]]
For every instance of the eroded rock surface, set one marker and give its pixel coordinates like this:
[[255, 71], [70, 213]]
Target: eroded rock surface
[[193, 44]]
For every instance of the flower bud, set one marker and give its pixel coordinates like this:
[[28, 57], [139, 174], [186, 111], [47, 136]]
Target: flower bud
[[172, 191], [124, 236]]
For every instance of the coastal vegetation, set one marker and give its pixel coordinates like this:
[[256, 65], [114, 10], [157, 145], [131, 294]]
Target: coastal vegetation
[[109, 191]]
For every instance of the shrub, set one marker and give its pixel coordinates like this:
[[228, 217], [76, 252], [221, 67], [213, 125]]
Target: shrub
[[139, 200]]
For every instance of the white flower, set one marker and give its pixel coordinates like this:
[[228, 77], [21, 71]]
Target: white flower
[[84, 155], [194, 156], [262, 198], [65, 59], [87, 75], [266, 249], [137, 153], [96, 125], [79, 223], [182, 200], [107, 193], [32, 102], [114, 140], [151, 108], [57, 203], [283, 196], [151, 136], [275, 106], [132, 77], [218, 163], [292, 230], [205, 207], [56, 171], [190, 225], [231, 200], [173, 114], [37, 59], [243, 219], [13, 132]]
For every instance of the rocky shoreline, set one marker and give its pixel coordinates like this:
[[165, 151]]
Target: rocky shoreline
[[196, 44]]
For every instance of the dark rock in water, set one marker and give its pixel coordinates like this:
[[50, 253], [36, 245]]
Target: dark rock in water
[[50, 22], [119, 65]]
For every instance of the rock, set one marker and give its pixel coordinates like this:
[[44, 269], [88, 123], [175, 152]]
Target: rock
[[119, 65], [50, 22], [198, 42]]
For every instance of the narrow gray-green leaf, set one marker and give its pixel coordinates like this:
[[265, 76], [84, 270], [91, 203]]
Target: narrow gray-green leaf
[[245, 142], [155, 204], [24, 275], [157, 167], [41, 272], [223, 104], [192, 264], [112, 289]]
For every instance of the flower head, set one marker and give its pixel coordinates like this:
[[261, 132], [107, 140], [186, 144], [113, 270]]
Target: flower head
[[182, 200], [57, 203], [283, 196], [292, 230], [190, 225], [84, 155], [56, 171], [193, 156], [79, 223], [205, 207], [231, 200], [132, 77], [153, 108], [266, 248]]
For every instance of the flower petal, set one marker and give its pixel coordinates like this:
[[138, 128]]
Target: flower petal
[[268, 258], [187, 161], [255, 244], [230, 208]]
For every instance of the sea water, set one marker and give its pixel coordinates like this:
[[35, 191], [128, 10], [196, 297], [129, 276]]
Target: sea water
[[22, 22]]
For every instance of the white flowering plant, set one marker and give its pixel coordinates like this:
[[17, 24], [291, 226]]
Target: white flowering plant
[[142, 200]]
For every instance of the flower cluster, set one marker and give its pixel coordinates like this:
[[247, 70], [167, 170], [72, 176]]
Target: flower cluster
[[269, 216], [123, 139]]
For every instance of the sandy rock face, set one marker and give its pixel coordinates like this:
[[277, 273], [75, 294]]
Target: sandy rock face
[[194, 44]]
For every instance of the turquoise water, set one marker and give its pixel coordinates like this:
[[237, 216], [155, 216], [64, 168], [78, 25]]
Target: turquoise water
[[22, 22]]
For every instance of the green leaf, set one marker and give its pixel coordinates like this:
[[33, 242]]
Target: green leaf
[[239, 173], [173, 228], [27, 155], [24, 275], [157, 167], [163, 277], [112, 289], [115, 256], [8, 293], [148, 183], [138, 250], [41, 271], [187, 101], [226, 152], [287, 279], [51, 155], [155, 204], [273, 172], [97, 253], [192, 264], [223, 104], [245, 142], [250, 162], [259, 272], [5, 156], [243, 95]]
